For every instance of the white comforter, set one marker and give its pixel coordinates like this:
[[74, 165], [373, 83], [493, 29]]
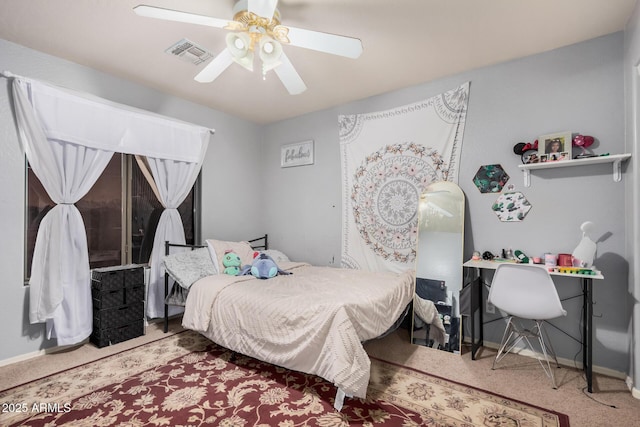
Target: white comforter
[[312, 321]]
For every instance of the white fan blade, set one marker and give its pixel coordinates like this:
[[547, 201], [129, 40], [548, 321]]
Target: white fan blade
[[324, 42], [215, 67], [175, 15], [263, 8], [289, 76]]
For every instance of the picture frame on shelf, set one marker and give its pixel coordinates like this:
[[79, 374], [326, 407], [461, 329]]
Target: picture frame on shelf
[[296, 154], [530, 157], [555, 144], [558, 157]]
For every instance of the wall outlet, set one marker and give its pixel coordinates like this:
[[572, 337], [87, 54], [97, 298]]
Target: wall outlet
[[490, 308]]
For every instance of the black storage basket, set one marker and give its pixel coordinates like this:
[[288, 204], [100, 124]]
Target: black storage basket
[[107, 279], [105, 337], [117, 316], [133, 275], [117, 298]]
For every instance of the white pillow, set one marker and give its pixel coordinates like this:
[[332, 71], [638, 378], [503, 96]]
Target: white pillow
[[217, 248], [276, 255], [189, 266], [214, 257]]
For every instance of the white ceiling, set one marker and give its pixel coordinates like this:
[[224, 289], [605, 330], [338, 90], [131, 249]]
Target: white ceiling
[[406, 42]]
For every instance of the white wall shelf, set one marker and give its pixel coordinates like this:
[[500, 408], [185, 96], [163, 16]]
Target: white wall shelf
[[615, 159]]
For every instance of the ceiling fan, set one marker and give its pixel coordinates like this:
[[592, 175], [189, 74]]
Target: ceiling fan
[[256, 27]]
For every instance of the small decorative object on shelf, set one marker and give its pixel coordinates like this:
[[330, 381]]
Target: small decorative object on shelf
[[555, 146], [527, 151], [584, 142]]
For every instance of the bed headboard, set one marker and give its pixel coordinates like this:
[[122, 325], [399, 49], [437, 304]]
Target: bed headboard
[[259, 243]]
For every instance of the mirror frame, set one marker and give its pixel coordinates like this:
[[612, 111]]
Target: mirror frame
[[458, 204]]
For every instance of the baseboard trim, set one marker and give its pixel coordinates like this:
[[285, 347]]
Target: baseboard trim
[[58, 348], [22, 357], [564, 362], [634, 391], [50, 350]]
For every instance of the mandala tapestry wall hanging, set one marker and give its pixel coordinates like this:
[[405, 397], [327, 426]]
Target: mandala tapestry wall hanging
[[388, 159]]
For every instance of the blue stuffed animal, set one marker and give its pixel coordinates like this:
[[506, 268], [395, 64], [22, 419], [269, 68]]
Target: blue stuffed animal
[[263, 267]]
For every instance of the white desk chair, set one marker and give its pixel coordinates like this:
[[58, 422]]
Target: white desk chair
[[526, 291]]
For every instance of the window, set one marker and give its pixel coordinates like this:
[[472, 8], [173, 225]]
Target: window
[[120, 215]]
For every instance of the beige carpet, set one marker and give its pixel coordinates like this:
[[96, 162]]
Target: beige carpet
[[519, 378]]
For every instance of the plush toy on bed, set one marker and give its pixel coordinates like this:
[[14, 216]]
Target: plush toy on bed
[[231, 262], [263, 267]]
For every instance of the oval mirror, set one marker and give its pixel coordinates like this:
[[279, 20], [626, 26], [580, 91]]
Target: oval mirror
[[439, 258]]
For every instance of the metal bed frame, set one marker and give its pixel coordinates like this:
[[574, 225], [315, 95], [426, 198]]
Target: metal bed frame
[[255, 244]]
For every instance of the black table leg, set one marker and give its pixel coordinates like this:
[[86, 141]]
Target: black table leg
[[476, 305], [166, 306], [587, 331]]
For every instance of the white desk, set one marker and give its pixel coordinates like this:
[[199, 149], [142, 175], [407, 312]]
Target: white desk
[[587, 305]]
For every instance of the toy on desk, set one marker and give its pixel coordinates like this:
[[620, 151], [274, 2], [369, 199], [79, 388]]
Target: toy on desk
[[476, 256], [550, 260], [565, 260], [584, 253], [507, 254], [487, 256], [574, 270], [521, 257]]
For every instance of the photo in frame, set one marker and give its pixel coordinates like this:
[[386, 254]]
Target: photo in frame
[[557, 146], [556, 157], [296, 154]]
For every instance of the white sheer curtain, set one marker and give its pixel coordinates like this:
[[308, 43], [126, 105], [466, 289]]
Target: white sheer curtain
[[69, 137], [60, 291], [171, 182]]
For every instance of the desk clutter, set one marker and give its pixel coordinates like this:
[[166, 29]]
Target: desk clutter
[[555, 263], [574, 270]]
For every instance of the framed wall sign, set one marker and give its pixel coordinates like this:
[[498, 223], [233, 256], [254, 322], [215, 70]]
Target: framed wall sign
[[296, 154]]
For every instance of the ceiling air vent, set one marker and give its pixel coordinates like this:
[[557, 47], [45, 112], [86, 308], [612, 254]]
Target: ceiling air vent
[[189, 51]]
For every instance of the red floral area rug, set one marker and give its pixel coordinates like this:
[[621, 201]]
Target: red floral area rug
[[185, 380]]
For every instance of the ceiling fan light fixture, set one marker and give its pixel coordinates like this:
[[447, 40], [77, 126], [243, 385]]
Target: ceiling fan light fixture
[[245, 61], [256, 26], [239, 44], [240, 47], [270, 52]]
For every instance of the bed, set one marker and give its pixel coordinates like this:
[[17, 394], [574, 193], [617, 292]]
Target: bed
[[314, 320]]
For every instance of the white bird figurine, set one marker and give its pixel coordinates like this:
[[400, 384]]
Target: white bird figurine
[[584, 253]]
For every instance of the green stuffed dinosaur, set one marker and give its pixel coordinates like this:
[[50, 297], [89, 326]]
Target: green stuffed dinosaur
[[231, 262]]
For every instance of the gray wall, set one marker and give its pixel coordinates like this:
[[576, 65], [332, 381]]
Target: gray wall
[[226, 214], [632, 126], [578, 89]]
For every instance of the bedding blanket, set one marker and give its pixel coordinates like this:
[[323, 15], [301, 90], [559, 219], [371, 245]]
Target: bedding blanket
[[312, 321]]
